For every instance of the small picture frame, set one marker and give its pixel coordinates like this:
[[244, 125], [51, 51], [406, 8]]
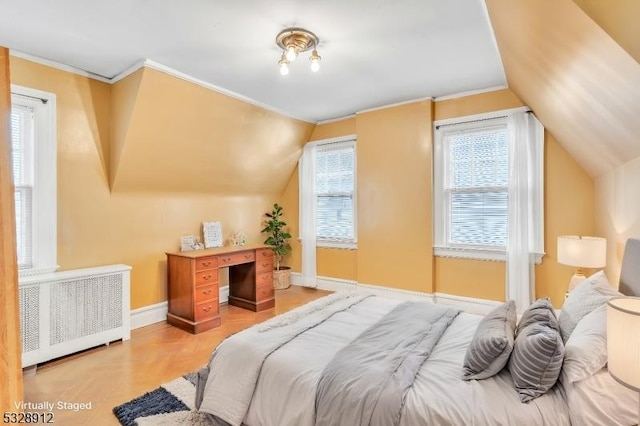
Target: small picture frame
[[212, 232], [190, 242]]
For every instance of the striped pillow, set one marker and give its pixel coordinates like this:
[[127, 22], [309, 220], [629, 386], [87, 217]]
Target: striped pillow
[[492, 343], [536, 360]]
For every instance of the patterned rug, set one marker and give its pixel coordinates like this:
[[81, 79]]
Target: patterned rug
[[169, 405]]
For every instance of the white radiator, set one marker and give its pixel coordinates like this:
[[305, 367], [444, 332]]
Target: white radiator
[[66, 312]]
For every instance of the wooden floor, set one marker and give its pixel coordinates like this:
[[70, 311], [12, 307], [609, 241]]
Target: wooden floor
[[110, 375]]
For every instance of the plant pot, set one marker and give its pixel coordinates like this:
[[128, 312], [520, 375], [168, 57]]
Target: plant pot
[[282, 278]]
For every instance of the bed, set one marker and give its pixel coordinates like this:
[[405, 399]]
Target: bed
[[354, 358]]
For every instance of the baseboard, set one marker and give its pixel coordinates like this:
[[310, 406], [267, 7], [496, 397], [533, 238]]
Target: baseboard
[[148, 315], [152, 314], [339, 284], [468, 304]]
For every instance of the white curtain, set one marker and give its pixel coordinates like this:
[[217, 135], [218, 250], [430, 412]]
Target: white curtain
[[307, 183], [526, 145]]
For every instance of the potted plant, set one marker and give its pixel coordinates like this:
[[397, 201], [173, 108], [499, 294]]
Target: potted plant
[[278, 240]]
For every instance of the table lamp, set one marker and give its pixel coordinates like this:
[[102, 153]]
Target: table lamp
[[623, 342], [581, 252]]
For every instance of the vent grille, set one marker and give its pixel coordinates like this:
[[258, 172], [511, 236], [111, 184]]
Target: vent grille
[[84, 307], [30, 318]]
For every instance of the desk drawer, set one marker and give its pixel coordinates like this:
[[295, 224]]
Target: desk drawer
[[264, 265], [207, 277], [208, 262], [264, 253], [206, 309], [264, 279], [206, 292], [236, 258], [264, 293]]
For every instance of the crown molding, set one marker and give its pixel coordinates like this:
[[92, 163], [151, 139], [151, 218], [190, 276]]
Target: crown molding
[[148, 63], [333, 120], [470, 93], [58, 65], [410, 101], [158, 67]]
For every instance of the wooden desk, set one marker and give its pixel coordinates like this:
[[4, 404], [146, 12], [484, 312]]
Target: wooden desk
[[193, 281]]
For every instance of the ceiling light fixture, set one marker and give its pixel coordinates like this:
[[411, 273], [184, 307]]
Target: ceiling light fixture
[[294, 41]]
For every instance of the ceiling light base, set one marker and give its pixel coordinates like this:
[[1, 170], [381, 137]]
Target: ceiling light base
[[301, 39]]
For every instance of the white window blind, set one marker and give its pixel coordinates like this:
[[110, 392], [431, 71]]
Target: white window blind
[[335, 184], [471, 186], [476, 190], [22, 145], [33, 146]]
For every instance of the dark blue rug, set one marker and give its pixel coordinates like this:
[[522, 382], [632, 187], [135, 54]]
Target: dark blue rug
[[170, 404]]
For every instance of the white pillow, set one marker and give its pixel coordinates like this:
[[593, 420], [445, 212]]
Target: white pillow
[[585, 352], [593, 292]]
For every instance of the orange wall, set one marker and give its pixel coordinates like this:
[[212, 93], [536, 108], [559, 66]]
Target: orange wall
[[394, 205], [394, 197], [97, 226]]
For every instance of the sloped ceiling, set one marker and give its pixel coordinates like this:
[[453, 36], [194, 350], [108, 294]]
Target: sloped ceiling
[[171, 135], [580, 82], [619, 18]]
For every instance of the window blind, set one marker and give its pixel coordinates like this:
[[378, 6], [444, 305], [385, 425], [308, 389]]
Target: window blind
[[477, 186], [335, 172], [22, 148]]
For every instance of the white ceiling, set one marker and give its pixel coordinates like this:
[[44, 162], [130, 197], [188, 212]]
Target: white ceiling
[[374, 52]]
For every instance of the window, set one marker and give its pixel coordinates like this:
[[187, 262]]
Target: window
[[34, 175], [335, 178], [334, 171], [471, 187]]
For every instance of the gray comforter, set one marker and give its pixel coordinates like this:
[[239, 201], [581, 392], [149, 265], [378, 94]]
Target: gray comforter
[[367, 381]]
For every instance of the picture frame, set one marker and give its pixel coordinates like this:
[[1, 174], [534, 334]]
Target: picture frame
[[189, 243], [212, 232]]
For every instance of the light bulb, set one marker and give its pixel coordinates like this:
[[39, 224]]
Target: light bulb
[[291, 54], [284, 65], [315, 61]]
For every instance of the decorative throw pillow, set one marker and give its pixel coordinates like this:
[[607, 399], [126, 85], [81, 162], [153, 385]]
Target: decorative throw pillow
[[539, 311], [593, 292], [492, 343], [585, 353], [536, 360]]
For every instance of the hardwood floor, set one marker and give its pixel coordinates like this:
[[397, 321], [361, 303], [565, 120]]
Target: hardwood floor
[[107, 376]]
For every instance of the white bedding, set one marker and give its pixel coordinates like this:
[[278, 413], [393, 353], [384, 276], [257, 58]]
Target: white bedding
[[285, 392]]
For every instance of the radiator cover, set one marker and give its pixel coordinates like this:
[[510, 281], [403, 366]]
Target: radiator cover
[[66, 312]]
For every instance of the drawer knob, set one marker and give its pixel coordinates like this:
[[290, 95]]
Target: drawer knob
[[206, 277], [247, 256], [207, 291], [207, 308], [264, 265], [226, 259], [207, 263]]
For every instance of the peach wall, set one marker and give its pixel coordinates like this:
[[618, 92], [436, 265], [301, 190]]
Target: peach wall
[[618, 212], [394, 197], [97, 226], [393, 136]]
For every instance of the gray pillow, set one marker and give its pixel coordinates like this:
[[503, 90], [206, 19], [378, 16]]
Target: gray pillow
[[539, 311], [536, 360], [492, 343], [592, 293]]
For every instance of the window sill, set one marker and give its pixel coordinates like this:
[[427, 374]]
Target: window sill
[[344, 245], [478, 254]]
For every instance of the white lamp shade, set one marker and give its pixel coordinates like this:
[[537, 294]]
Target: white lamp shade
[[582, 252], [623, 340]]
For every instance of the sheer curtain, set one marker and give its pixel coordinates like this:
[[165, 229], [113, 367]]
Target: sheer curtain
[[526, 145], [307, 183]]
